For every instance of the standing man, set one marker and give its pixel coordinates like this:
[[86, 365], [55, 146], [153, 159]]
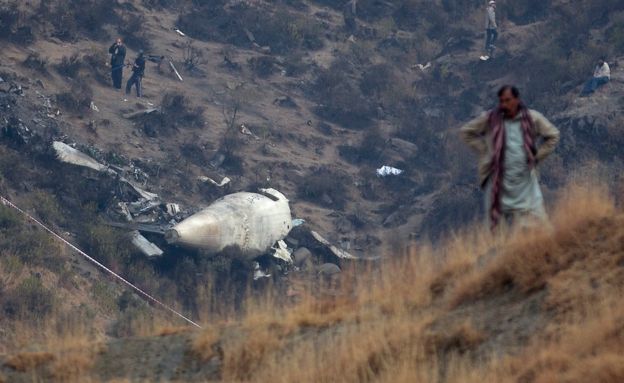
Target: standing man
[[602, 75], [118, 59], [491, 30], [506, 141], [349, 12], [138, 70]]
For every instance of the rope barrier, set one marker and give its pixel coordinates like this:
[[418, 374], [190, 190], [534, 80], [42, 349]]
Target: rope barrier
[[8, 203]]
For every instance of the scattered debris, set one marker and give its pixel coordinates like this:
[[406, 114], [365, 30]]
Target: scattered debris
[[142, 206], [223, 182], [94, 107], [145, 246], [173, 209], [388, 170], [422, 67], [173, 68], [282, 252], [336, 251], [244, 130], [66, 153], [297, 222], [123, 207], [259, 273]]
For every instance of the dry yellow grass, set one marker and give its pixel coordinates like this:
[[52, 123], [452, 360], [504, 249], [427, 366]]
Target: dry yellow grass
[[534, 306], [26, 361]]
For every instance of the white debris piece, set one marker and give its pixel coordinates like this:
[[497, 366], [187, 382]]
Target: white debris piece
[[66, 153], [282, 252], [179, 32], [388, 170], [223, 182], [142, 193], [245, 130], [337, 252], [173, 209], [297, 222], [123, 207], [259, 273], [145, 246], [94, 107], [422, 67], [175, 71]]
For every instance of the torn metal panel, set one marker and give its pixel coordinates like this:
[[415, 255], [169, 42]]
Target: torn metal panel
[[145, 246], [251, 221], [141, 193], [123, 207], [143, 206], [282, 252], [67, 154], [173, 209], [336, 251], [223, 182]]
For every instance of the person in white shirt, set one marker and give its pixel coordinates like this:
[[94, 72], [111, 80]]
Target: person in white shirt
[[602, 75]]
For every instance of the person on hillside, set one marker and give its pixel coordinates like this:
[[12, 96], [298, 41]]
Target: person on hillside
[[349, 13], [118, 59], [138, 70], [602, 75], [506, 140], [491, 30]]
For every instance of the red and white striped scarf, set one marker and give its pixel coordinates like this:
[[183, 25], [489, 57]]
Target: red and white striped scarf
[[496, 123]]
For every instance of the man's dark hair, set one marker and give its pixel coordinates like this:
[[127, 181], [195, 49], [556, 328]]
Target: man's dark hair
[[514, 91]]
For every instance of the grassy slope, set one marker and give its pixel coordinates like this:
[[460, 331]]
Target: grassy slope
[[538, 306]]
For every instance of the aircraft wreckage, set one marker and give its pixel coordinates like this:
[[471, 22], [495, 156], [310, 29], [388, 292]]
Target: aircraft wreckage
[[252, 221], [256, 223]]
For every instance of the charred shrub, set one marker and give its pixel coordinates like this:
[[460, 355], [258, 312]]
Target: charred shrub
[[378, 79], [325, 187], [243, 24], [528, 11], [93, 62], [131, 28], [77, 99], [72, 18], [263, 66], [176, 112], [69, 65], [13, 27], [368, 152], [30, 299], [340, 98], [36, 62]]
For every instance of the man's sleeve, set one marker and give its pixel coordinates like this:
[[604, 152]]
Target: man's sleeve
[[473, 133], [548, 132], [111, 50]]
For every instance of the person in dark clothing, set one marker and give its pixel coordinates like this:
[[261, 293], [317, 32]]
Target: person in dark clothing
[[118, 59], [349, 12], [138, 70]]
